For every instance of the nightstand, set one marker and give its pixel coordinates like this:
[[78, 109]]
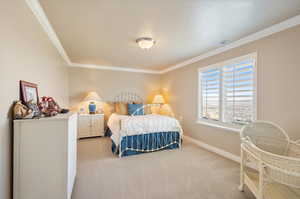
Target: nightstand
[[90, 125]]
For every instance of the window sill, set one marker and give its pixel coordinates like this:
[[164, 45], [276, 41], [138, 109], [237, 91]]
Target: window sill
[[220, 125]]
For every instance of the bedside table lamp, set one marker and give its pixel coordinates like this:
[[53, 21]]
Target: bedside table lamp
[[92, 97], [158, 100]]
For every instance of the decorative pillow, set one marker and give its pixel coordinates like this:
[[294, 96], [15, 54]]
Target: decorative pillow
[[121, 108], [133, 107], [108, 109], [147, 109]]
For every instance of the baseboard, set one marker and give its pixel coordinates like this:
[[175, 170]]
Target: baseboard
[[216, 150], [213, 149]]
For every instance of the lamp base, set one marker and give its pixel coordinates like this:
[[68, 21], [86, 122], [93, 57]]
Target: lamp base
[[92, 108]]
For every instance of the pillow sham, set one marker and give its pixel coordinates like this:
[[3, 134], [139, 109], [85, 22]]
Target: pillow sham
[[136, 109], [121, 108], [108, 109], [166, 110]]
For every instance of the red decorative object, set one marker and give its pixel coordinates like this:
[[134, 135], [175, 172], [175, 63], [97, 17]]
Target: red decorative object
[[49, 107]]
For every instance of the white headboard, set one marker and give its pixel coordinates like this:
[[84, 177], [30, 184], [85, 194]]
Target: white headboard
[[129, 97]]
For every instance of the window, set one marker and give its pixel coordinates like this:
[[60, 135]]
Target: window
[[227, 92]]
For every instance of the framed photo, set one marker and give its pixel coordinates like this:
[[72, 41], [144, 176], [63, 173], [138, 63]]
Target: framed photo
[[29, 91]]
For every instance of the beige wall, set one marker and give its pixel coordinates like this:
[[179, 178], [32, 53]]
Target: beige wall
[[25, 53], [278, 88], [278, 72], [109, 84]]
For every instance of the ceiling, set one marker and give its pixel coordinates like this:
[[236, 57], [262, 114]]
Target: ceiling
[[103, 32]]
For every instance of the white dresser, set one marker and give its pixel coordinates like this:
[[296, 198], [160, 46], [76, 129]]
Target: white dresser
[[90, 125], [45, 156]]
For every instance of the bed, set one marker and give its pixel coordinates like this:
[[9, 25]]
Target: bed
[[135, 134]]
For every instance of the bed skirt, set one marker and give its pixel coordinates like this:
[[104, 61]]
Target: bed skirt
[[145, 143]]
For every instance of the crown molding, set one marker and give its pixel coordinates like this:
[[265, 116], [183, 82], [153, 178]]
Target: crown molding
[[114, 68], [39, 13], [294, 21]]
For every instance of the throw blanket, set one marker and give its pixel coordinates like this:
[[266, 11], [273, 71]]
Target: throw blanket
[[123, 125]]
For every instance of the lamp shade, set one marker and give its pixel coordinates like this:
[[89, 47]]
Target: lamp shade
[[92, 96], [158, 99]]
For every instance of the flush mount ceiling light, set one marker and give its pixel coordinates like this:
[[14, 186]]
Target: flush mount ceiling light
[[145, 42]]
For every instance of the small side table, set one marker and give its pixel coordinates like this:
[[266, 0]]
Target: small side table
[[90, 125]]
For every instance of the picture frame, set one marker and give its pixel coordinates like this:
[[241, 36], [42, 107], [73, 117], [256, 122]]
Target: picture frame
[[29, 91]]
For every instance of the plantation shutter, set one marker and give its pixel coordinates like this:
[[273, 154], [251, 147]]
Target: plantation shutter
[[210, 94], [238, 92]]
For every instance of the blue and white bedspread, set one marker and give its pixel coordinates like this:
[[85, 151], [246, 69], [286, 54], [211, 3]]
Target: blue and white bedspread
[[123, 126]]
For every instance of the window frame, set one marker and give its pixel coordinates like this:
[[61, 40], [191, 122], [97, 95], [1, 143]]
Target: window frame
[[220, 123]]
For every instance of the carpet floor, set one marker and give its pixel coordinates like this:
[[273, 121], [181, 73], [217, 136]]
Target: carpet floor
[[187, 173]]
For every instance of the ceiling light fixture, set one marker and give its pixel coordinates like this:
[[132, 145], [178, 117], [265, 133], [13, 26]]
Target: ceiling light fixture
[[145, 42]]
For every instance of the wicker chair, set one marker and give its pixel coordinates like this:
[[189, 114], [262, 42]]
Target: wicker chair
[[276, 159]]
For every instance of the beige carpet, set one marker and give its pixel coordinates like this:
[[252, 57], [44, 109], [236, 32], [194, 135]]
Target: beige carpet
[[189, 173]]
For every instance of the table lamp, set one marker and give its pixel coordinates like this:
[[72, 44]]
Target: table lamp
[[92, 97], [158, 99]]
